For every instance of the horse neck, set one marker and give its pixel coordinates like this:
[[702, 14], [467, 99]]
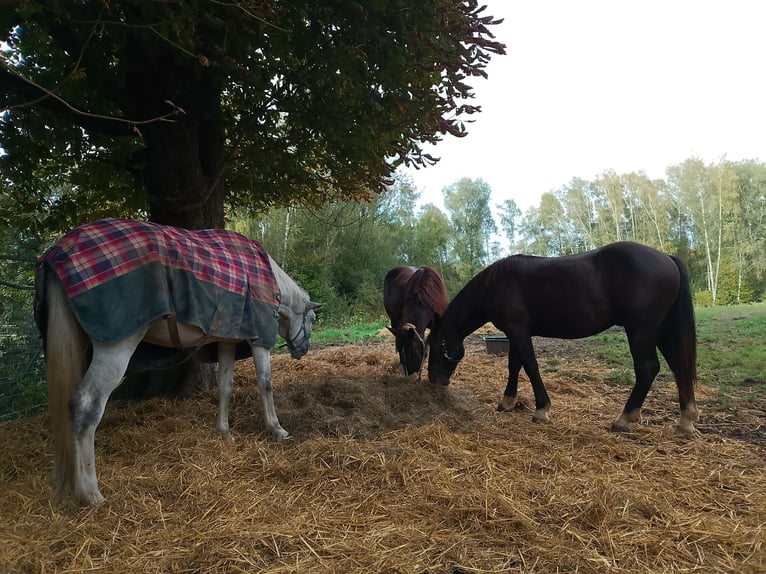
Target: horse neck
[[466, 313], [291, 295]]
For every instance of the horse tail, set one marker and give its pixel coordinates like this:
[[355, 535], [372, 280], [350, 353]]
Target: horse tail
[[678, 338], [65, 354]]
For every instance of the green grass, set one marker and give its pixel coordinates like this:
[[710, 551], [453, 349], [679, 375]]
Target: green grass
[[349, 335], [731, 350], [731, 343]]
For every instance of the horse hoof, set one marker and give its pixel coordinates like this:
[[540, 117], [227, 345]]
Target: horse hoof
[[687, 430], [619, 426], [540, 417], [506, 404], [622, 423], [279, 434], [90, 499]]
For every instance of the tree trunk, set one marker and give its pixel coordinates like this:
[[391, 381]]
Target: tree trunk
[[182, 167], [183, 159]]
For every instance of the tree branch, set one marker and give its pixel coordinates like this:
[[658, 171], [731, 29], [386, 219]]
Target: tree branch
[[132, 124], [16, 286], [17, 259]]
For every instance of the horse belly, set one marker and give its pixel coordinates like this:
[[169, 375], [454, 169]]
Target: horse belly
[[572, 322], [189, 336], [571, 330]]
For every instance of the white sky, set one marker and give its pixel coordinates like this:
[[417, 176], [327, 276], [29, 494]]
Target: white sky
[[591, 85]]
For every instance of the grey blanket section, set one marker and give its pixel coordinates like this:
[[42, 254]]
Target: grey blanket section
[[120, 307]]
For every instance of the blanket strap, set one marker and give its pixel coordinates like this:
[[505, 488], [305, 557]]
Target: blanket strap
[[173, 328], [171, 317]]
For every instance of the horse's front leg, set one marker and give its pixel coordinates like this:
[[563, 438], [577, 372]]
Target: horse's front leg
[[262, 360], [225, 386], [529, 361], [510, 396]]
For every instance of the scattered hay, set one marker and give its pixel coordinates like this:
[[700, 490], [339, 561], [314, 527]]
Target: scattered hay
[[385, 475]]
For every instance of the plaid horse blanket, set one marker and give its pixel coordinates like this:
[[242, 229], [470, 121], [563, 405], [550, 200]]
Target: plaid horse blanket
[[120, 275]]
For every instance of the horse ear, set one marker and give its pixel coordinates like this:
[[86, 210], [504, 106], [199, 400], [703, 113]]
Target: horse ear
[[315, 306], [390, 328]]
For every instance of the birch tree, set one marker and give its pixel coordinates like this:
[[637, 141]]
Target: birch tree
[[467, 203]]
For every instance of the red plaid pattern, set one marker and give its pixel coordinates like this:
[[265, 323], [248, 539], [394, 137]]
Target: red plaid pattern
[[96, 252]]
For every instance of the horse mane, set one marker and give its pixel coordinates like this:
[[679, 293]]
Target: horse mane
[[288, 288], [427, 289]]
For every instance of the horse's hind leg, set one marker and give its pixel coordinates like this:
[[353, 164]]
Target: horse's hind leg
[[105, 372], [646, 365], [262, 360], [689, 412], [226, 353]]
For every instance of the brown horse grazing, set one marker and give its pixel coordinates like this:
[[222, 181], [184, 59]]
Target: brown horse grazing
[[628, 284], [411, 296]]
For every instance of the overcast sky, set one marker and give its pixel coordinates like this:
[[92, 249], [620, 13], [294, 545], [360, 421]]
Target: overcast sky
[[592, 85]]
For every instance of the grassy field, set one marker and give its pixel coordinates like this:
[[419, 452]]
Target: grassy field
[[731, 350]]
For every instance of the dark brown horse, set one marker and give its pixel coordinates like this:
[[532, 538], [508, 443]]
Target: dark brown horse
[[411, 296], [628, 284]]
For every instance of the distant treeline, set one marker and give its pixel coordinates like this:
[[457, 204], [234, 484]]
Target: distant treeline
[[712, 216]]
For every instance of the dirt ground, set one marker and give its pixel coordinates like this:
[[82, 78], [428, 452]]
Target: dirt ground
[[382, 473]]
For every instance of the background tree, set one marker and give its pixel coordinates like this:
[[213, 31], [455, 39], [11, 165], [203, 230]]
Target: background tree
[[610, 203], [578, 201], [652, 200], [20, 345], [751, 184], [396, 212], [176, 109], [694, 183], [712, 216], [467, 203], [510, 219], [432, 236], [553, 225]]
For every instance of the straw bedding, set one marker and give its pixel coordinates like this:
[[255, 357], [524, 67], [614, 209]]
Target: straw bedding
[[382, 474]]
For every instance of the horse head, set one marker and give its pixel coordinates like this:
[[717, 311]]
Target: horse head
[[411, 348], [295, 326], [445, 352], [297, 313]]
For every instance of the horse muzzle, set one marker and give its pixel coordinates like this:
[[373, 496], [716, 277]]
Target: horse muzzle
[[439, 378], [298, 352]]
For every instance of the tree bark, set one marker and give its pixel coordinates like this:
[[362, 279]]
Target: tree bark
[[183, 159]]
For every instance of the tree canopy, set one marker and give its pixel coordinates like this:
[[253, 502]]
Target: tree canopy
[[177, 109]]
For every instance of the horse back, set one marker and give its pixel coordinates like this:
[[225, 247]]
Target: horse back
[[580, 295], [120, 275], [637, 276]]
